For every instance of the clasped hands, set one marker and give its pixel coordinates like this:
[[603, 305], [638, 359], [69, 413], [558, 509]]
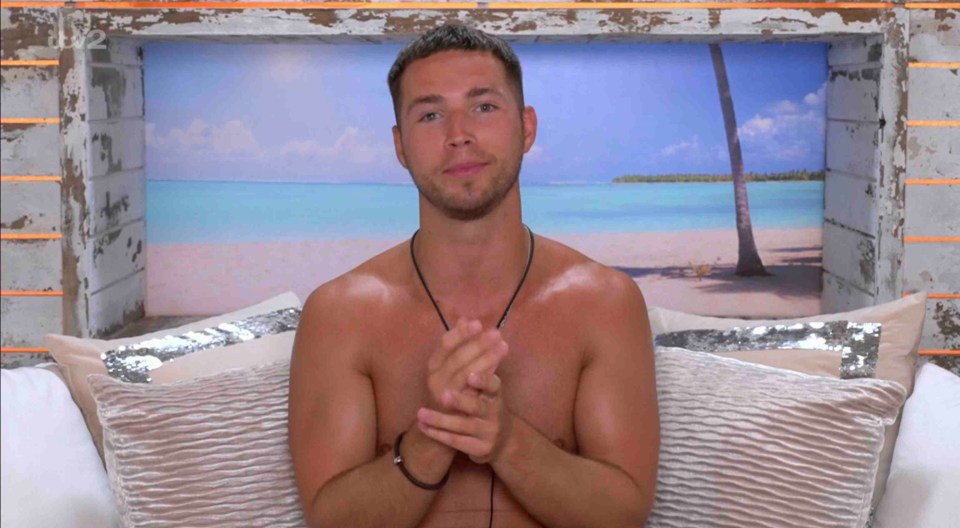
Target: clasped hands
[[465, 411]]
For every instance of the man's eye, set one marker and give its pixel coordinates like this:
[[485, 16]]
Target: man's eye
[[428, 116], [487, 107]]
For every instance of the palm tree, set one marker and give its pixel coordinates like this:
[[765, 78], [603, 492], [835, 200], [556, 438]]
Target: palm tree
[[748, 261]]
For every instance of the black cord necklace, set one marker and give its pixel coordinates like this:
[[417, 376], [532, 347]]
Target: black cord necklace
[[503, 318]]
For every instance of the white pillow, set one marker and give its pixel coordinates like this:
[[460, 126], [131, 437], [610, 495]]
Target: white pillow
[[924, 484], [52, 475]]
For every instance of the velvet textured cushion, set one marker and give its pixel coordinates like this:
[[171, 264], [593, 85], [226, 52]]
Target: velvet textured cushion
[[210, 451], [901, 328], [79, 358], [748, 445]]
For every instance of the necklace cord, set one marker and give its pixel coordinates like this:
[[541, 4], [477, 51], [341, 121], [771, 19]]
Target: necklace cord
[[503, 318]]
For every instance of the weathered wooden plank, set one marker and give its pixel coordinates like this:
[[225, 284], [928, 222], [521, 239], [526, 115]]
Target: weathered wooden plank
[[75, 156], [118, 305], [117, 254], [644, 25], [934, 94], [30, 265], [840, 296], [29, 207], [852, 94], [115, 92], [934, 267], [852, 148], [116, 146], [935, 35], [855, 50], [118, 199], [28, 33], [941, 329], [29, 91], [933, 153], [118, 52], [891, 181], [851, 201], [30, 149], [24, 320], [933, 210], [850, 255]]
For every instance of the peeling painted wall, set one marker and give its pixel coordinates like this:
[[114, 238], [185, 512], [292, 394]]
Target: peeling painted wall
[[96, 148]]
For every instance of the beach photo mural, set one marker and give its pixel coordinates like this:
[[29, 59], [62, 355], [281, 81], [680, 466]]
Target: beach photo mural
[[695, 169]]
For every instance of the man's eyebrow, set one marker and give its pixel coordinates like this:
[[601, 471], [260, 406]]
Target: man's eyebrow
[[424, 99], [483, 90]]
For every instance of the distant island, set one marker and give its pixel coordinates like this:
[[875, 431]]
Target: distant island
[[797, 175]]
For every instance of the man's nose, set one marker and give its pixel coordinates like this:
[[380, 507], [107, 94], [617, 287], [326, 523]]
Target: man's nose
[[458, 130]]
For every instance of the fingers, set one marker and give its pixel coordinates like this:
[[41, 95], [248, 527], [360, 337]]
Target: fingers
[[491, 340], [461, 332], [487, 383], [471, 404], [467, 425]]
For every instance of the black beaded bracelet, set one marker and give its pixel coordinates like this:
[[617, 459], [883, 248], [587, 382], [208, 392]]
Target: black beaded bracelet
[[398, 461]]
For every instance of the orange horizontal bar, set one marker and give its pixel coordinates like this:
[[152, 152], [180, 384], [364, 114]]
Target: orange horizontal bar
[[933, 182], [30, 236], [690, 5], [32, 4], [931, 239], [51, 62], [933, 123], [30, 178], [934, 64], [933, 5], [275, 5], [943, 296], [940, 352], [29, 120], [31, 294], [11, 350]]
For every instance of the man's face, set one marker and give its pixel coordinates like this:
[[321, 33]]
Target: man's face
[[460, 132]]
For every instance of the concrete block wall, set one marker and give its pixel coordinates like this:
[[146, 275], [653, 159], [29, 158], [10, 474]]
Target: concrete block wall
[[73, 247], [31, 301], [931, 230]]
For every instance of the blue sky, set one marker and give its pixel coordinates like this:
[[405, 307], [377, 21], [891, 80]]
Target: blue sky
[[322, 113]]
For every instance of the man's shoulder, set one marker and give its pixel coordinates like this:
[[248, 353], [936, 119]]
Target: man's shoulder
[[589, 281], [373, 283]]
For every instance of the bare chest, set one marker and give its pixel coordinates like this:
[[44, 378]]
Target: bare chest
[[539, 378]]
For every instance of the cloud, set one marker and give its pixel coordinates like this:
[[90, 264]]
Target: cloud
[[232, 138], [816, 98], [683, 147], [353, 146], [758, 126], [537, 154], [786, 130]]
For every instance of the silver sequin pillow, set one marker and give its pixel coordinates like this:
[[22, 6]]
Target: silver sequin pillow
[[845, 349], [204, 452], [748, 445]]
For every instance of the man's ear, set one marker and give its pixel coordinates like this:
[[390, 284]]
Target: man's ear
[[398, 146], [529, 128]]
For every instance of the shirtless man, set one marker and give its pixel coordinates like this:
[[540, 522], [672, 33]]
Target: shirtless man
[[550, 420]]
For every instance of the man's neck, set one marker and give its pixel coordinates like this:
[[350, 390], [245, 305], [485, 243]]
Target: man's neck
[[472, 267]]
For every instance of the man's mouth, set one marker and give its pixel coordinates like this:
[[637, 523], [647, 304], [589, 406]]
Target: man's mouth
[[463, 170]]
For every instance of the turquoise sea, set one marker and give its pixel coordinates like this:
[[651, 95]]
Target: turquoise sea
[[196, 212]]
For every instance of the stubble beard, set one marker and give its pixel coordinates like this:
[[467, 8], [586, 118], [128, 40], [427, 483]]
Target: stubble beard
[[467, 205]]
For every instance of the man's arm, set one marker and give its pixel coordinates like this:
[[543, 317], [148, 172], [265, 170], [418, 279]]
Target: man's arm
[[612, 482], [333, 427]]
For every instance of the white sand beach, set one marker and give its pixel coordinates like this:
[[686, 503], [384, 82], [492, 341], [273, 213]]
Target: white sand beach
[[201, 279]]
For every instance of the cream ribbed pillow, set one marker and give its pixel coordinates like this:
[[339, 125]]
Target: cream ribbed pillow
[[748, 445], [204, 452]]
